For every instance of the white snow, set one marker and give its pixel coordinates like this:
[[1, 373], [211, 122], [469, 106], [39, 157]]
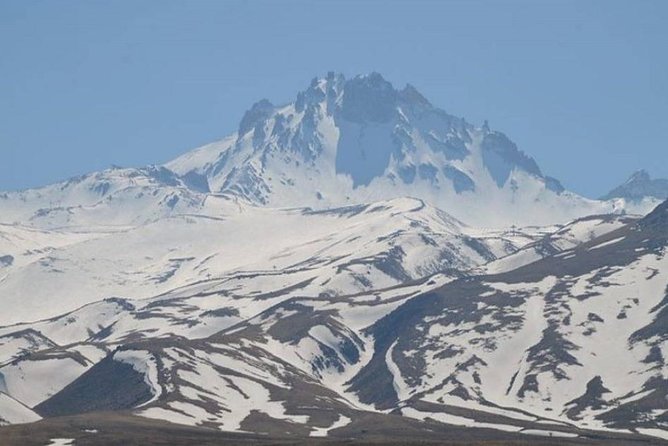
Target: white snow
[[236, 396], [14, 412], [659, 433], [456, 420], [33, 381], [239, 251], [400, 387], [608, 243], [61, 442]]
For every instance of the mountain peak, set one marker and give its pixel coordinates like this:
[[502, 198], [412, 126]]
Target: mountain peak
[[368, 98], [350, 141], [365, 98], [258, 112], [639, 176], [638, 186]]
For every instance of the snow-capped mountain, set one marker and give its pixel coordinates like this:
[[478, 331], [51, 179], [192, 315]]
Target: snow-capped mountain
[[360, 140], [640, 187], [340, 143]]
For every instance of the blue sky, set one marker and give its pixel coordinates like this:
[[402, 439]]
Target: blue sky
[[582, 86]]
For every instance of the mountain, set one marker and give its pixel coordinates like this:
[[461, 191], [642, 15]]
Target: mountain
[[349, 141], [640, 187], [358, 265], [577, 337], [342, 142], [568, 345]]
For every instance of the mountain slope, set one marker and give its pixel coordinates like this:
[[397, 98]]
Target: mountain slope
[[283, 372], [563, 238], [252, 250], [556, 347], [578, 337], [110, 198]]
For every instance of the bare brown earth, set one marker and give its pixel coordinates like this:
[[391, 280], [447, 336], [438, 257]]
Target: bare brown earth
[[122, 429]]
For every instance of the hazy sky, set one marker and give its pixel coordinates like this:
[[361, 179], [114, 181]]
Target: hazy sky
[[582, 86]]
